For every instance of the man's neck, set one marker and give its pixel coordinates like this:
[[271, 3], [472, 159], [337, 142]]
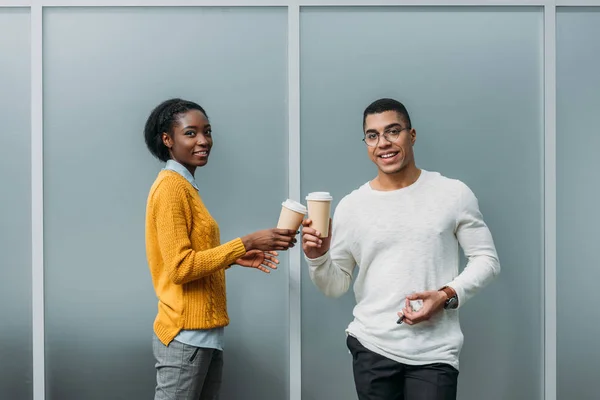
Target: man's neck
[[401, 179]]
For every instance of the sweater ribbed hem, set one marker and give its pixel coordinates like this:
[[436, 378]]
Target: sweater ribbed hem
[[165, 333], [367, 344]]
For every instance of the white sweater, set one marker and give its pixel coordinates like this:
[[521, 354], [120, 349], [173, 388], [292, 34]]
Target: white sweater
[[406, 241]]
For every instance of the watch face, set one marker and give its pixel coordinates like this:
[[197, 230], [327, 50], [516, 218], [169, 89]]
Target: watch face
[[451, 302]]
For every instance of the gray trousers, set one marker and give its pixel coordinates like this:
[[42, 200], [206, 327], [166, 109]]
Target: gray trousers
[[185, 372]]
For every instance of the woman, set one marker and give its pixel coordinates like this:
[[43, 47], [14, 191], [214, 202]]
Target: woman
[[187, 260]]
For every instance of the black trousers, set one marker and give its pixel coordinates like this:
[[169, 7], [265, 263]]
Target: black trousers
[[379, 378]]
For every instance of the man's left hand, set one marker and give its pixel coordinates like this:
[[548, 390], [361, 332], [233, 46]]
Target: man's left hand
[[433, 302]]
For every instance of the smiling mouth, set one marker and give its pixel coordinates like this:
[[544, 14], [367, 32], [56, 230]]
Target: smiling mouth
[[201, 153], [388, 155]]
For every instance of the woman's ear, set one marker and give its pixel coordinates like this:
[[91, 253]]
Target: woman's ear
[[167, 140]]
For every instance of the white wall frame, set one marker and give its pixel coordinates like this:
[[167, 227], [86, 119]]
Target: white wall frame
[[549, 288], [295, 254], [37, 203], [14, 3], [327, 3], [290, 3], [549, 278], [576, 3]]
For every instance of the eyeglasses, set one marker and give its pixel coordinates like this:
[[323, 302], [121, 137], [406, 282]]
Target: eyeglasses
[[371, 139]]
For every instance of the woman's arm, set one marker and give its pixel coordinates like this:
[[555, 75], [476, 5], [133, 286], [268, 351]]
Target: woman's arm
[[183, 264]]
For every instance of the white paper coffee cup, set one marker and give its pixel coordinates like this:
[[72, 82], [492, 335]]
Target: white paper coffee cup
[[291, 216], [319, 210]]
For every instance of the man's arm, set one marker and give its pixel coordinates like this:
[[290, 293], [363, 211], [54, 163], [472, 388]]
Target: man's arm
[[476, 241], [331, 264]]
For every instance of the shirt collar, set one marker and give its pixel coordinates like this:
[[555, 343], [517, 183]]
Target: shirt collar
[[173, 165]]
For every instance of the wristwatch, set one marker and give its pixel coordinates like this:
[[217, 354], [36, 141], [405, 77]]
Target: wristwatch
[[452, 302]]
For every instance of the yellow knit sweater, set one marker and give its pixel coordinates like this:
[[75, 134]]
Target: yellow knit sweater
[[186, 258]]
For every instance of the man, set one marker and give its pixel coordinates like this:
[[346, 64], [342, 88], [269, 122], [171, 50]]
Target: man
[[403, 230]]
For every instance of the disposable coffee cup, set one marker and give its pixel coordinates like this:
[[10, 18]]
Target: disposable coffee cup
[[291, 216], [319, 209]]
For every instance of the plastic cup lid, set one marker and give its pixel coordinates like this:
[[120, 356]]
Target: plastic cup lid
[[294, 206], [319, 196]]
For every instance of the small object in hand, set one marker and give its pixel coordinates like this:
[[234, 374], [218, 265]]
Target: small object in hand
[[400, 320], [416, 305]]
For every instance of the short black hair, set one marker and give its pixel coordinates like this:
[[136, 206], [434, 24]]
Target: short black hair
[[386, 104], [161, 120]]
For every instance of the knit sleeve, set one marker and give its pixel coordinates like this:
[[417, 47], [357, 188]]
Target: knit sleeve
[[172, 213], [478, 245], [332, 272]]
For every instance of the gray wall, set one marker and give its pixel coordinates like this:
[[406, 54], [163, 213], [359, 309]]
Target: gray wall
[[99, 87], [15, 210], [472, 80], [473, 84], [578, 141]]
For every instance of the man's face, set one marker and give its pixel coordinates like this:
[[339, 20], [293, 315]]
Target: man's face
[[389, 141]]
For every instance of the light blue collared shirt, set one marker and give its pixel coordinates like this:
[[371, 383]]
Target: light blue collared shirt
[[207, 338]]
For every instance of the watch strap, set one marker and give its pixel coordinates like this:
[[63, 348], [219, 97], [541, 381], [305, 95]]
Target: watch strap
[[452, 301]]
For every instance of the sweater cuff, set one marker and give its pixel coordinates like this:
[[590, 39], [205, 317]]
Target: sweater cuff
[[315, 262], [237, 250]]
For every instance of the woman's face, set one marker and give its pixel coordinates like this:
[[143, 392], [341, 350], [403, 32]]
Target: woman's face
[[190, 140]]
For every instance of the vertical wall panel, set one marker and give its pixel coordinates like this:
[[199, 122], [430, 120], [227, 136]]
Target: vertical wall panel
[[472, 81], [578, 140], [104, 70], [15, 201]]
